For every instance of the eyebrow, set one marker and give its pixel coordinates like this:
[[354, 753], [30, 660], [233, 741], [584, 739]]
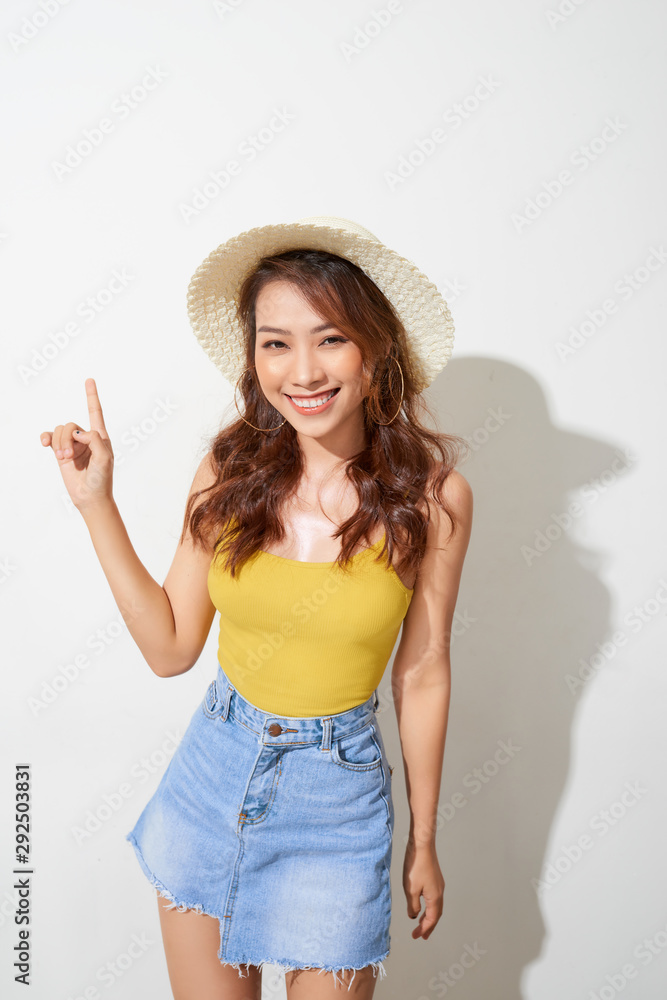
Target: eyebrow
[[287, 333]]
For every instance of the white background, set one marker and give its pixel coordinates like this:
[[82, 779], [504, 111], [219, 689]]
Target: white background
[[535, 92]]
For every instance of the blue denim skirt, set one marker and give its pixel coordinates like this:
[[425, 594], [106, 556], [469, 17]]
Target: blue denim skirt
[[281, 828]]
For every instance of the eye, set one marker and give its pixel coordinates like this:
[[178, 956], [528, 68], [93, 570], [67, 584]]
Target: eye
[[341, 340]]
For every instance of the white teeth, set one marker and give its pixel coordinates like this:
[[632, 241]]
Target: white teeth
[[312, 403]]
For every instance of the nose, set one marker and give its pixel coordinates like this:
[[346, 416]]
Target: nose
[[306, 370]]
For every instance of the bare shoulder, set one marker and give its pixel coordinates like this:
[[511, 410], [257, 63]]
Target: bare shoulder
[[205, 477], [456, 493], [446, 549], [206, 474]]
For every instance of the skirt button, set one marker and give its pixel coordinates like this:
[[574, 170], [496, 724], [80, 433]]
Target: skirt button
[[275, 729]]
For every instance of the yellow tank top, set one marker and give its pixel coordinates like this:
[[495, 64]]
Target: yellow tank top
[[307, 638]]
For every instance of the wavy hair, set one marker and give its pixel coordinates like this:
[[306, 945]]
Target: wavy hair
[[394, 475]]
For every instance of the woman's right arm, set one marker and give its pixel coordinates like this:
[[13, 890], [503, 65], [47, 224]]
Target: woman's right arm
[[169, 623]]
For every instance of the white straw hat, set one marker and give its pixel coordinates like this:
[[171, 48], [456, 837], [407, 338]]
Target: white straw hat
[[214, 287]]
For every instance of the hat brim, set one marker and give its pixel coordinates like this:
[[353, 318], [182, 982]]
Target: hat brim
[[212, 298]]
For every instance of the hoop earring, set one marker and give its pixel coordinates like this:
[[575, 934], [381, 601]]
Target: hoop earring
[[241, 415], [401, 402]]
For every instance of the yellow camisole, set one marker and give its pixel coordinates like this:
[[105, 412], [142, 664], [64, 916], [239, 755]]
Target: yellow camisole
[[307, 638]]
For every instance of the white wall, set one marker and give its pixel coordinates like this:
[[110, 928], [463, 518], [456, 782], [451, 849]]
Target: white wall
[[583, 427]]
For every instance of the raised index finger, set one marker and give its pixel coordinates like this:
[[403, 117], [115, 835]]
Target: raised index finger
[[95, 409]]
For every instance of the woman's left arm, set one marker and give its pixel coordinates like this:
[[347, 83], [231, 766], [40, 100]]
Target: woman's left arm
[[421, 681]]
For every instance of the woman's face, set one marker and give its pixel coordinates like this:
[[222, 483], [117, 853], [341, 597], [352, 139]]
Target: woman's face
[[301, 358]]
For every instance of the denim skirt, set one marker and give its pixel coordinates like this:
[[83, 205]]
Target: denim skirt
[[280, 827]]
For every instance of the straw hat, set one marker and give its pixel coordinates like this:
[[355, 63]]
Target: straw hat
[[214, 287]]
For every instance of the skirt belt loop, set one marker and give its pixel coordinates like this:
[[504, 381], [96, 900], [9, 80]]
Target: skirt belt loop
[[326, 734], [229, 691]]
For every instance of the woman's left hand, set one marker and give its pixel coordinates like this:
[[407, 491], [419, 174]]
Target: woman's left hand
[[422, 877]]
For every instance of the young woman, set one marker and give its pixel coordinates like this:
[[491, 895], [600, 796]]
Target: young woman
[[321, 520]]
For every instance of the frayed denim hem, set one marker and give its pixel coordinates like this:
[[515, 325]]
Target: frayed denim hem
[[379, 970]]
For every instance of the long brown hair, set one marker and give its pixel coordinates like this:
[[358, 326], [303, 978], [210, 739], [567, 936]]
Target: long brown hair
[[256, 472]]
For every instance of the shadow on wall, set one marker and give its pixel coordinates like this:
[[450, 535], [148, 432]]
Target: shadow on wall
[[531, 614]]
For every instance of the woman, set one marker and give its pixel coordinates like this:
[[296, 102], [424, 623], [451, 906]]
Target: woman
[[317, 524]]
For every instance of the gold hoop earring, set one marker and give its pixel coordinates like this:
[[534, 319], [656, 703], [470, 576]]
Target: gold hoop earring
[[241, 415], [401, 402]]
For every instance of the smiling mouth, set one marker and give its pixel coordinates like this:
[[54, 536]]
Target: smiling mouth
[[313, 402]]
